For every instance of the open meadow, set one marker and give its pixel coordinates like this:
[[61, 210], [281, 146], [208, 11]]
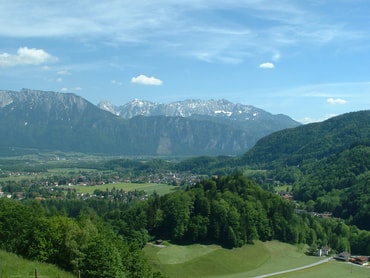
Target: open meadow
[[332, 269], [213, 261], [262, 258]]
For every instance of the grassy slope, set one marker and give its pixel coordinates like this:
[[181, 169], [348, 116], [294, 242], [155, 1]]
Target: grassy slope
[[12, 266], [332, 269], [211, 260]]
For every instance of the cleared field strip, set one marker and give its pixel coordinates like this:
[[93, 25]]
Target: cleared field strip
[[149, 188]]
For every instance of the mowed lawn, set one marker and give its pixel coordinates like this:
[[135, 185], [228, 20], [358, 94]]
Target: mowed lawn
[[213, 261], [149, 188]]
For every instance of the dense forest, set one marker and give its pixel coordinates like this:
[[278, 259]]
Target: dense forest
[[82, 243], [339, 184], [233, 211]]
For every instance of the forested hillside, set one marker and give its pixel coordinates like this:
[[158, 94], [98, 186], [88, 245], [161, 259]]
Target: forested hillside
[[327, 165], [234, 211], [81, 243], [338, 184], [315, 141], [231, 211]]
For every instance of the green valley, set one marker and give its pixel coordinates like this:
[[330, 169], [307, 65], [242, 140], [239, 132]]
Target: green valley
[[271, 209]]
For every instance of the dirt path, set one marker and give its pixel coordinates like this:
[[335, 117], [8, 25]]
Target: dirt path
[[293, 269]]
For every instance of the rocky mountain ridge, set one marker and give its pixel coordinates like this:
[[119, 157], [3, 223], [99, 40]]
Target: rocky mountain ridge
[[217, 108], [32, 119]]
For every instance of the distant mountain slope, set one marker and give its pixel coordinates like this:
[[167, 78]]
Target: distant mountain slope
[[312, 141], [54, 121], [186, 108], [221, 109], [339, 184], [67, 122], [255, 122], [326, 165]]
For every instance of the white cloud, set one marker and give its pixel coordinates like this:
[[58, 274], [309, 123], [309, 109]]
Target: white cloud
[[26, 56], [59, 79], [267, 65], [308, 120], [145, 80], [170, 26], [336, 101]]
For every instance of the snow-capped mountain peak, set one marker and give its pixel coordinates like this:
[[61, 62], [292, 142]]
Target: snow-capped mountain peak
[[185, 108]]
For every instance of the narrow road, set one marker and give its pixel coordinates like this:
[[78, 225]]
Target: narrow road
[[294, 269]]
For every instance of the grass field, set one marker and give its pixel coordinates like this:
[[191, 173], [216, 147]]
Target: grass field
[[48, 173], [333, 269], [204, 260], [249, 261], [12, 266], [149, 188]]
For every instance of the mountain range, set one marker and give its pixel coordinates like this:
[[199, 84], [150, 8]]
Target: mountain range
[[255, 121], [187, 108], [32, 119]]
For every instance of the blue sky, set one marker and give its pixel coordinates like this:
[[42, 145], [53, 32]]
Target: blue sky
[[308, 59]]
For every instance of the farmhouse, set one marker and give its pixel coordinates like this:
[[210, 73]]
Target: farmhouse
[[361, 260], [344, 256], [324, 251]]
